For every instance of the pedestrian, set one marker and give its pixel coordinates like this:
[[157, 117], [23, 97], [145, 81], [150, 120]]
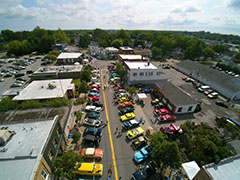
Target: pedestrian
[[143, 121], [116, 131], [119, 132]]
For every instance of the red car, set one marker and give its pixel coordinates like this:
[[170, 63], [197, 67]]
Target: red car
[[172, 129], [95, 90], [166, 118], [96, 99], [95, 86], [91, 153], [159, 112], [207, 92]]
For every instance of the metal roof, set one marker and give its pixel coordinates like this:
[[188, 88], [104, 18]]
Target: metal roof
[[175, 95], [69, 55]]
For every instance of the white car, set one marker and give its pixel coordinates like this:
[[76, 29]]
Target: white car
[[94, 108], [213, 95], [203, 88], [1, 80], [93, 122]]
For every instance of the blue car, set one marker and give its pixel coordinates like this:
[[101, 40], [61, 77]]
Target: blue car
[[93, 115], [143, 154], [93, 94], [147, 90], [93, 131], [131, 124]]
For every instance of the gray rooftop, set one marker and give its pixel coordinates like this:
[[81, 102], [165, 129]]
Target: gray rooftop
[[175, 95], [227, 169], [59, 69], [23, 150], [220, 78]]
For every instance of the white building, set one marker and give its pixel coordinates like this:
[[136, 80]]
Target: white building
[[47, 89], [225, 84], [143, 72], [69, 58], [131, 57]]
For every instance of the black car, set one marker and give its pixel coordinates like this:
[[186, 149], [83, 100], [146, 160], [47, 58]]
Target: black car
[[21, 79], [125, 110], [146, 171], [98, 104], [222, 103], [19, 75], [90, 140]]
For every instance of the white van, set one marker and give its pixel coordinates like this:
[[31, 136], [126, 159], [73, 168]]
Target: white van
[[203, 88]]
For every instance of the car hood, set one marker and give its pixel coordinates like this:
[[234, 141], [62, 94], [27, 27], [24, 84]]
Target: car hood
[[138, 156], [99, 153], [99, 169]]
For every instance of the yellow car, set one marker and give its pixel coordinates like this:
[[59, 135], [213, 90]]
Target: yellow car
[[90, 169], [122, 99], [131, 134], [127, 116]]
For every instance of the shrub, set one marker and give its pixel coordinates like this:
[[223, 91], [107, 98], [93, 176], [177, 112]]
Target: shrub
[[58, 102], [76, 136], [8, 104], [28, 104]]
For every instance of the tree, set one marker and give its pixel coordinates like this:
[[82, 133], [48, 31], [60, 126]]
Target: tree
[[86, 75], [61, 36], [209, 53], [64, 165], [8, 104], [84, 40], [156, 52], [120, 70], [132, 90], [84, 87], [117, 43], [76, 136]]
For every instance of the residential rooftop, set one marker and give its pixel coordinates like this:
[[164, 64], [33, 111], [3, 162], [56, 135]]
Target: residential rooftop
[[45, 89], [111, 49], [140, 65], [20, 156], [59, 69], [131, 57], [175, 94], [69, 55], [126, 48]]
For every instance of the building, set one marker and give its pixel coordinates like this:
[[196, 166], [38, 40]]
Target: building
[[126, 50], [143, 72], [47, 89], [57, 72], [59, 47], [131, 57], [225, 84], [69, 58], [144, 52], [178, 101], [111, 53], [30, 149], [226, 169]]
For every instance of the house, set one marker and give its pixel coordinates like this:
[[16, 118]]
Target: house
[[143, 72], [47, 89], [93, 47], [126, 50], [226, 169], [57, 72], [225, 84], [178, 101], [144, 52], [69, 58], [29, 148], [131, 57]]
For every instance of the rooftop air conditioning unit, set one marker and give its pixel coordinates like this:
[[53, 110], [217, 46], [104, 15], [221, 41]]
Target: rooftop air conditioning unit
[[52, 85], [5, 135]]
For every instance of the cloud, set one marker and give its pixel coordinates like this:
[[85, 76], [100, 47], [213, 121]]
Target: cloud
[[189, 9], [173, 21], [235, 4]]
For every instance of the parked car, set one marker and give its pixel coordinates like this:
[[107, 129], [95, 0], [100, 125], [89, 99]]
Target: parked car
[[19, 75], [131, 124], [91, 140], [127, 116], [96, 99], [93, 122], [94, 94], [131, 134], [95, 90], [146, 171], [213, 95], [95, 86], [122, 99], [166, 118], [146, 90], [222, 103], [125, 104], [91, 169], [143, 154], [93, 131], [203, 88], [127, 109], [1, 80], [21, 79], [162, 111], [209, 91], [93, 108], [93, 115], [172, 129], [98, 104], [91, 153], [139, 142], [16, 85]]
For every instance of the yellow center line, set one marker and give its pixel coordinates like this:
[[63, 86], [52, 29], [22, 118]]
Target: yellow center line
[[109, 130]]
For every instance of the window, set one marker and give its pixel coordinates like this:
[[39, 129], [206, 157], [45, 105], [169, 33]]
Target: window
[[134, 74], [146, 73], [190, 108], [150, 73], [44, 174], [141, 74], [179, 109], [158, 73]]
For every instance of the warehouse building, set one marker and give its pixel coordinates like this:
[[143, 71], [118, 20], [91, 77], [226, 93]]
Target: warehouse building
[[69, 58]]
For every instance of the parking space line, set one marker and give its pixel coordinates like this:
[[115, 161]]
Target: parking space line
[[109, 130]]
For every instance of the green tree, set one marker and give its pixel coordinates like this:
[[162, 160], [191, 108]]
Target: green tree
[[84, 87], [156, 52], [117, 43], [219, 48], [209, 53], [29, 104], [132, 90], [84, 40], [8, 104], [120, 70], [61, 37], [76, 136], [64, 165], [86, 75], [8, 35]]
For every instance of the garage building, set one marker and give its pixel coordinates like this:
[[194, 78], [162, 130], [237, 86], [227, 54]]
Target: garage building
[[225, 84]]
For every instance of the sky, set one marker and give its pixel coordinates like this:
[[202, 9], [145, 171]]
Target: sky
[[220, 16]]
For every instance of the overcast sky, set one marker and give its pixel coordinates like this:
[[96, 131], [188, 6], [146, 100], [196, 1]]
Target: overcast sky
[[221, 16]]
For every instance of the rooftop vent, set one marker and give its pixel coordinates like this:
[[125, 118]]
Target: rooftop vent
[[52, 85], [6, 134]]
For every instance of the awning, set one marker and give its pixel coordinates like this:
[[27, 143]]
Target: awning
[[191, 169], [142, 95]]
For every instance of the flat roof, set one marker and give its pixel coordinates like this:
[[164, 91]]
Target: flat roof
[[59, 69], [126, 48], [111, 49], [22, 152], [69, 55], [175, 95], [41, 90], [227, 169], [131, 56], [140, 65]]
